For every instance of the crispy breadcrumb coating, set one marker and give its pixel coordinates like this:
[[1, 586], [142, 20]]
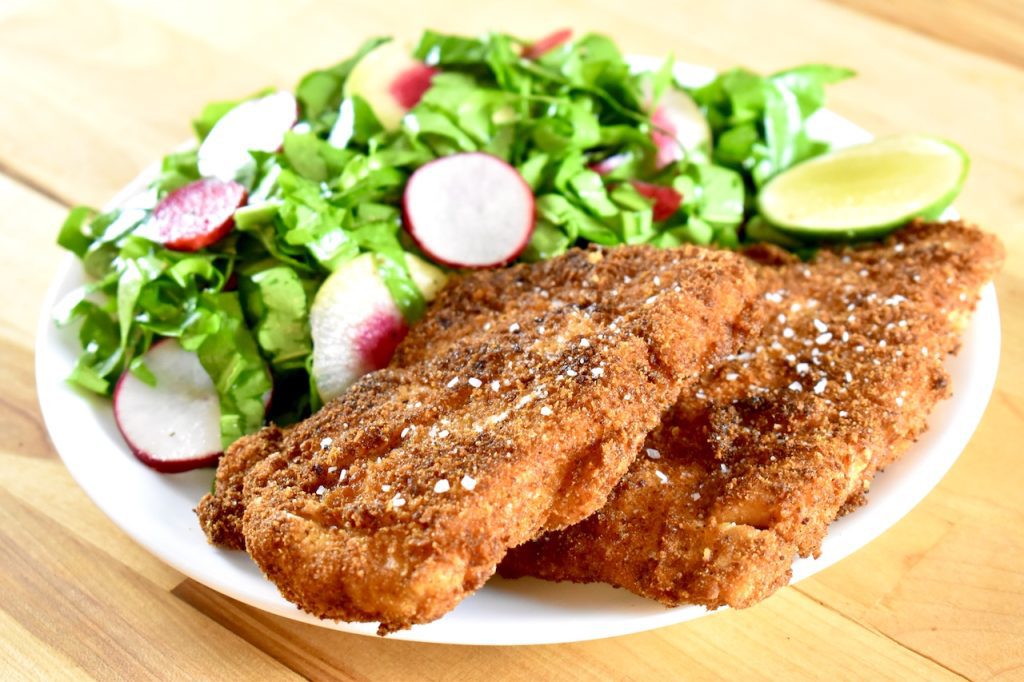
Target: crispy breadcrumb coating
[[748, 471]]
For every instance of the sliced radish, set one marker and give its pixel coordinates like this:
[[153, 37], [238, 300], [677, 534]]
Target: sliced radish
[[539, 48], [390, 81], [666, 199], [256, 125], [408, 86], [469, 210], [196, 215], [680, 128], [175, 425], [355, 323], [609, 164]]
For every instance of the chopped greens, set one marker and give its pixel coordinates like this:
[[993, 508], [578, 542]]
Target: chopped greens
[[575, 121], [759, 122]]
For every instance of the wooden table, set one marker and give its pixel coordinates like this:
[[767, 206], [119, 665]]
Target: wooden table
[[93, 90]]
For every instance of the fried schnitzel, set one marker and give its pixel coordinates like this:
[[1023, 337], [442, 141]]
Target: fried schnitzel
[[749, 470], [400, 497]]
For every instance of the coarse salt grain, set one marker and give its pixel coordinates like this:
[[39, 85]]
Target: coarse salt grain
[[326, 443], [597, 371], [803, 368], [819, 387], [732, 376], [514, 327], [386, 488], [661, 476], [453, 383], [820, 326], [695, 496], [397, 500], [788, 333], [442, 486], [653, 454], [796, 386], [546, 411], [468, 482], [651, 299], [321, 490], [584, 343], [823, 338]]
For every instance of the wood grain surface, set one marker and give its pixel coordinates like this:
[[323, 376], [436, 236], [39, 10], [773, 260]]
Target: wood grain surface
[[93, 90]]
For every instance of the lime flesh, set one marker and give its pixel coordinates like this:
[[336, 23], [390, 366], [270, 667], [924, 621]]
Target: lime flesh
[[866, 190]]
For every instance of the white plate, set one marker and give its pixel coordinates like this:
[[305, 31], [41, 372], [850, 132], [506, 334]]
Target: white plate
[[156, 509]]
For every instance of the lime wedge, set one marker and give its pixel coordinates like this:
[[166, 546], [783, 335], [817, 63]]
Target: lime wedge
[[867, 190]]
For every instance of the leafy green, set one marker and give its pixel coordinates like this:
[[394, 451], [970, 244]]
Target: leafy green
[[72, 235], [219, 335], [277, 301], [176, 170], [759, 122]]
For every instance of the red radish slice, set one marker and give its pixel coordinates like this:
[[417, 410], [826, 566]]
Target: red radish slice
[[469, 210], [666, 199], [408, 86], [256, 125], [664, 137], [355, 323], [609, 164], [196, 215], [390, 81], [175, 425], [680, 128], [539, 48], [378, 338]]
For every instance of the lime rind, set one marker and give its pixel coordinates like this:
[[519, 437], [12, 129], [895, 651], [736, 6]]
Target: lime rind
[[852, 231]]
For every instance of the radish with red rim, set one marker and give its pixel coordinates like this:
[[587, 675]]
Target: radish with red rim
[[355, 323], [409, 85], [196, 215], [174, 425], [390, 81], [469, 210], [255, 125], [539, 48]]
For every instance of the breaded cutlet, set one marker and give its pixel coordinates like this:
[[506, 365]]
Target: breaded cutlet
[[400, 497], [748, 471]]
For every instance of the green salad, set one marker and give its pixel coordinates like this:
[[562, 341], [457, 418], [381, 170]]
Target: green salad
[[587, 134]]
